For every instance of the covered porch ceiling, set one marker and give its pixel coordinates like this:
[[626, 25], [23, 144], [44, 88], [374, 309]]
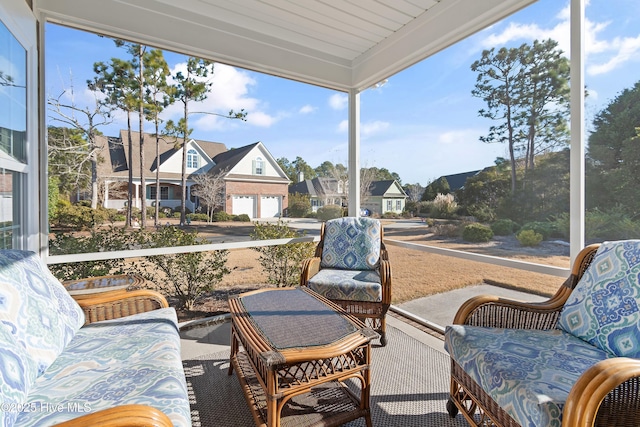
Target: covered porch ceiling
[[339, 44]]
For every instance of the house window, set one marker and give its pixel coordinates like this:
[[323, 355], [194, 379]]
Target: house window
[[398, 205], [258, 168], [389, 205], [340, 187], [192, 159], [164, 193]]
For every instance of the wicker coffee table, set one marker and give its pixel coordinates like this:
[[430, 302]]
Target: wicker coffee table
[[293, 351]]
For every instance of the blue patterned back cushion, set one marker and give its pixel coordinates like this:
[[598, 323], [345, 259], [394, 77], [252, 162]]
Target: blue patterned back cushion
[[351, 244], [603, 308], [35, 308]]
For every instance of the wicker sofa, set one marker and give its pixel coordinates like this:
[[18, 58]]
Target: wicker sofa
[[572, 360], [61, 367]]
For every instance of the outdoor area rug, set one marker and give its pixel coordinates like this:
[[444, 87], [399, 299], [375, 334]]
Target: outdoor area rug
[[410, 383]]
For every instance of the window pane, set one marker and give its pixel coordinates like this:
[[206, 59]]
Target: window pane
[[13, 95], [9, 211]]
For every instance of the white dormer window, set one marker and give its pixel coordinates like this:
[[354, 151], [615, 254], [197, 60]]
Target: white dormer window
[[192, 159], [258, 166]]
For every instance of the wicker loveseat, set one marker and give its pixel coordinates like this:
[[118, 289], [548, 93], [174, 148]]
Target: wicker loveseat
[[58, 367], [570, 361], [351, 268]]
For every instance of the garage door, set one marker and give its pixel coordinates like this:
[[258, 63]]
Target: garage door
[[270, 206], [244, 205]]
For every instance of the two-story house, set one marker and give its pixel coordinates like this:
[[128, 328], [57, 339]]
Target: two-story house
[[254, 183]]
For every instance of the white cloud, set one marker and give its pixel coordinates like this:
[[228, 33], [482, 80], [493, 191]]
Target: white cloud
[[338, 101], [307, 109], [229, 91], [367, 129], [602, 55], [373, 128]]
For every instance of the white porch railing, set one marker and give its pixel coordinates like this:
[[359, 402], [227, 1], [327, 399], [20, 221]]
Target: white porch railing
[[136, 253]]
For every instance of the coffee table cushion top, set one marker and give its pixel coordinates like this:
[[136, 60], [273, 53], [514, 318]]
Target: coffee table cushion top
[[295, 319]]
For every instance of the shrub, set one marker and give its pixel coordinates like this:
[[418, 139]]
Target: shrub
[[185, 277], [546, 229], [78, 216], [299, 205], [100, 240], [529, 238], [176, 215], [282, 263], [477, 233], [241, 218], [221, 216], [503, 227], [198, 217], [447, 230], [444, 206], [329, 212]]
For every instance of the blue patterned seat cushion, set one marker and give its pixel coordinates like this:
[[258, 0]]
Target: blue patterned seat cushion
[[529, 373], [131, 360], [35, 307], [351, 244], [351, 285], [17, 372], [603, 307]]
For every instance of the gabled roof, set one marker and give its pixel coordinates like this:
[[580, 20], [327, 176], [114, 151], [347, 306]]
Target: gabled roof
[[380, 188], [228, 159], [456, 181], [303, 187], [116, 158]]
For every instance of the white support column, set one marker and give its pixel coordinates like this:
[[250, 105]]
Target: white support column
[[577, 175], [354, 153], [137, 197]]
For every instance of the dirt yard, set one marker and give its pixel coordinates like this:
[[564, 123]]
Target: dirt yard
[[415, 274]]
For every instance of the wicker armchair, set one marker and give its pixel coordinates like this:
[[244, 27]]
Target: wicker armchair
[[351, 268], [602, 390]]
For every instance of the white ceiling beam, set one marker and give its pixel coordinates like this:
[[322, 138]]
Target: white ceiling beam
[[445, 24]]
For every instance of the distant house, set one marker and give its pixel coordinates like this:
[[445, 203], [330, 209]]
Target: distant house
[[385, 196], [321, 191], [457, 181], [254, 183]]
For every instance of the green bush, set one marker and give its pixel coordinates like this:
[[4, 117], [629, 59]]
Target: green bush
[[546, 229], [176, 215], [198, 217], [78, 216], [503, 227], [282, 263], [99, 240], [187, 276], [529, 238], [477, 233], [241, 218], [222, 216], [328, 212], [299, 205]]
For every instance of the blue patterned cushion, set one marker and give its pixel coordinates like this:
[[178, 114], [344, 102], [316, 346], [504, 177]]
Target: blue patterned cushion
[[18, 371], [351, 285], [603, 308], [35, 307], [351, 244], [131, 360], [529, 373]]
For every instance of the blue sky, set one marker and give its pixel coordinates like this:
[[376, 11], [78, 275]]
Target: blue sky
[[423, 123]]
